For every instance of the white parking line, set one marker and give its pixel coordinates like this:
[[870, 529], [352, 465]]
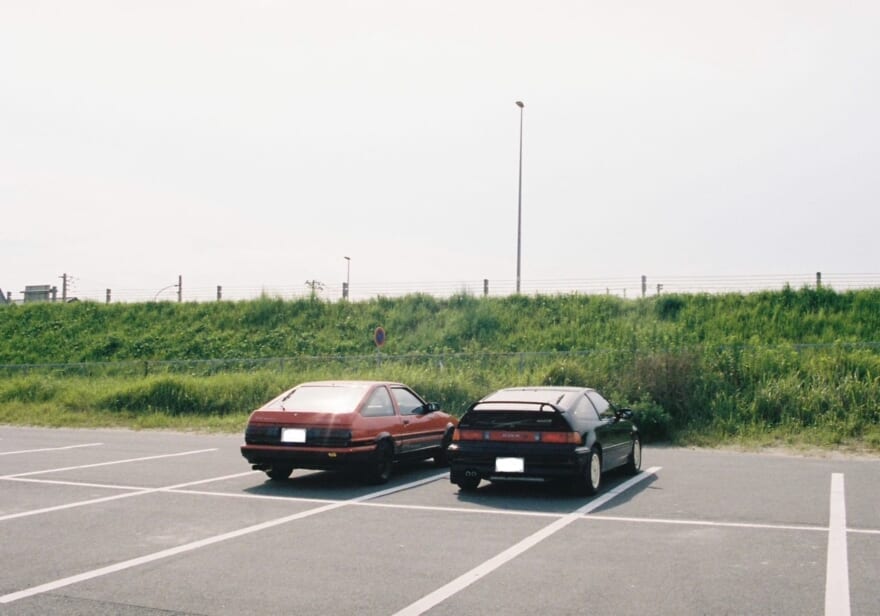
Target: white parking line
[[837, 565], [463, 581], [9, 453], [104, 499], [74, 468], [75, 484], [188, 547], [748, 525]]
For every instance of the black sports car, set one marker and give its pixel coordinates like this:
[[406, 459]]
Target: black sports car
[[551, 433]]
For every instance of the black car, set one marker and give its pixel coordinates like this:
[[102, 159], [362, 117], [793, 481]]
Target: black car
[[551, 433]]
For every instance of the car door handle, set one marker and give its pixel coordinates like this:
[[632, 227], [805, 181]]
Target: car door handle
[[406, 422]]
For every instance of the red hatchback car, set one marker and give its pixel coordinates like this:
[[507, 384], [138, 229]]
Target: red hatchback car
[[363, 425]]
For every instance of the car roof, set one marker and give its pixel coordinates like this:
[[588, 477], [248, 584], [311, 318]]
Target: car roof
[[349, 383], [546, 392]]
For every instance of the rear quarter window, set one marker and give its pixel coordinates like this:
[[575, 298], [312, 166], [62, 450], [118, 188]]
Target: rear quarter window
[[584, 409], [603, 407]]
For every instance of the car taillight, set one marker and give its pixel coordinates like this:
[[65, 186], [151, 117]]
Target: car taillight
[[508, 436], [467, 435], [568, 438]]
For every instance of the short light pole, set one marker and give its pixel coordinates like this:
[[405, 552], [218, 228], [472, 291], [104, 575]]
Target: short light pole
[[519, 201], [345, 291]]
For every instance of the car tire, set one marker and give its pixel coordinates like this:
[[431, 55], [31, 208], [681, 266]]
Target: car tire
[[380, 467], [441, 459], [634, 461], [590, 479], [467, 484], [279, 473]]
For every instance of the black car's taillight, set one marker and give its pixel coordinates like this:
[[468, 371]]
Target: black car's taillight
[[518, 436]]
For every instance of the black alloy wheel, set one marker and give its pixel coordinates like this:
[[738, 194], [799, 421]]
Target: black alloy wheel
[[440, 458], [380, 468]]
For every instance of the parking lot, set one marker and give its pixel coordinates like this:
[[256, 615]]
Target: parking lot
[[123, 522]]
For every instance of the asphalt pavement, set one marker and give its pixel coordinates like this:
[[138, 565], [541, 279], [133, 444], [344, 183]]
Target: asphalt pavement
[[145, 523]]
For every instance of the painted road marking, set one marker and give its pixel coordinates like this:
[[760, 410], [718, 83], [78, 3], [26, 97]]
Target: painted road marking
[[104, 499], [445, 509], [188, 547], [837, 565], [111, 463], [74, 484], [463, 581], [747, 525], [9, 453]]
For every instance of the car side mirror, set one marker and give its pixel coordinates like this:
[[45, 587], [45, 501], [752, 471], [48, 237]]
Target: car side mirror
[[624, 413], [431, 407]]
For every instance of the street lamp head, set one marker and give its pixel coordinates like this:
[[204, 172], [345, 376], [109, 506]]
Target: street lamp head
[[520, 104], [347, 258]]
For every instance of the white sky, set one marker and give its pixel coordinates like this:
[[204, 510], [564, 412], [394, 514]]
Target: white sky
[[255, 144]]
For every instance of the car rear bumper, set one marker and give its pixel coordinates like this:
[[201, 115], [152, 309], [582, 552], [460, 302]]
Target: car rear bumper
[[540, 462], [263, 457]]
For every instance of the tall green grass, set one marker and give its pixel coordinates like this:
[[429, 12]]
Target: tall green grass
[[792, 365]]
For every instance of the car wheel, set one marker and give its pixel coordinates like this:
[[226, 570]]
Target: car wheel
[[634, 462], [467, 484], [279, 473], [380, 468], [591, 477], [441, 459]]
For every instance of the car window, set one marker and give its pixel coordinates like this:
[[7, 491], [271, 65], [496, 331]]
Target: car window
[[378, 404], [407, 401], [583, 409], [603, 407], [319, 399]]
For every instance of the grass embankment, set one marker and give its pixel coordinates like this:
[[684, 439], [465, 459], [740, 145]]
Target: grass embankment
[[797, 367]]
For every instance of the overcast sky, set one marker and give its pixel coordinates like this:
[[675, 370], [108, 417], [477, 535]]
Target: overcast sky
[[255, 144]]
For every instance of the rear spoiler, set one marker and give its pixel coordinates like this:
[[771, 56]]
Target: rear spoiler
[[540, 406]]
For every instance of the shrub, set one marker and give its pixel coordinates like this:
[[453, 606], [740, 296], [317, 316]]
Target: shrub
[[564, 374], [653, 422]]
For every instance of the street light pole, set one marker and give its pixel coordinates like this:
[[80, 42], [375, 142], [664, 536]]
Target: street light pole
[[519, 200], [347, 277]]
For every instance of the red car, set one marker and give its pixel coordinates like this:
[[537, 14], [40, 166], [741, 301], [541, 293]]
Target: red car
[[363, 425]]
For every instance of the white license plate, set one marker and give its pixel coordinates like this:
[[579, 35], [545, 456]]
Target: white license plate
[[510, 465], [293, 435]]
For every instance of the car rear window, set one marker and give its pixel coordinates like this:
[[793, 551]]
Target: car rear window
[[559, 397], [320, 399], [508, 419]]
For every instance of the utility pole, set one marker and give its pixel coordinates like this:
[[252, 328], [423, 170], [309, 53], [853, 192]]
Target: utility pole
[[179, 288], [63, 287], [314, 287]]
